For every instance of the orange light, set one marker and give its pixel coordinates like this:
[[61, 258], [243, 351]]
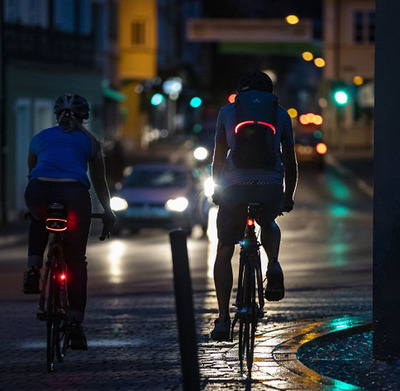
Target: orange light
[[303, 119], [318, 120], [321, 148], [231, 98], [250, 222], [310, 118]]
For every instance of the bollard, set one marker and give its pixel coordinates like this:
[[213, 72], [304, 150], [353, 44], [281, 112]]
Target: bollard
[[185, 312]]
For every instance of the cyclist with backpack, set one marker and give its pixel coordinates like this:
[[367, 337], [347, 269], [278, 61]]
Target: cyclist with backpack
[[254, 161], [58, 160]]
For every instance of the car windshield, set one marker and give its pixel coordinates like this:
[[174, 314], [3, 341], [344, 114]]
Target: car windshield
[[156, 178]]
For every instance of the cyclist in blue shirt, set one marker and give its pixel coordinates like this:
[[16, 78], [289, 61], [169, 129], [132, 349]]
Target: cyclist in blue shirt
[[236, 187], [58, 161]]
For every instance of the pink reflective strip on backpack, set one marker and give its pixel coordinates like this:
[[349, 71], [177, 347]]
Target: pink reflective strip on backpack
[[238, 126]]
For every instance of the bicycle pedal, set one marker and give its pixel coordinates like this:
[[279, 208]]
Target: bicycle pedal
[[41, 316]]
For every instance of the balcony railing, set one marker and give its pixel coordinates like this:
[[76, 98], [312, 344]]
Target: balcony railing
[[43, 45]]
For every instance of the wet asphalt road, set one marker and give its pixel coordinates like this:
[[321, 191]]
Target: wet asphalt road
[[131, 325]]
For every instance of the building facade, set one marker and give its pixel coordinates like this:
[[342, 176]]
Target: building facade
[[50, 48], [349, 51]]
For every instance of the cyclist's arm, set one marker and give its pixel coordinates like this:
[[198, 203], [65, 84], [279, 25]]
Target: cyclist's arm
[[98, 176], [290, 163], [220, 149], [32, 161]]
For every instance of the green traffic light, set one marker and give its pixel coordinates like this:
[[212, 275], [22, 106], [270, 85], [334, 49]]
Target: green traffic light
[[341, 97], [157, 99], [195, 102]]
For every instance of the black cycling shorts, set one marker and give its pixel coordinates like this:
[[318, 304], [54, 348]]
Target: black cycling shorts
[[232, 213]]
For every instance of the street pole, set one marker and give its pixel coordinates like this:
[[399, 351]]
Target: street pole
[[386, 237], [3, 132]]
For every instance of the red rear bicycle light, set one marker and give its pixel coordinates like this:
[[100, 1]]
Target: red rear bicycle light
[[63, 277], [250, 221]]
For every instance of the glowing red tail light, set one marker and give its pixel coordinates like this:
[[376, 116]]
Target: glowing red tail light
[[63, 277], [250, 222]]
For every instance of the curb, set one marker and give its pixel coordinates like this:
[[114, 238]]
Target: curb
[[275, 354]]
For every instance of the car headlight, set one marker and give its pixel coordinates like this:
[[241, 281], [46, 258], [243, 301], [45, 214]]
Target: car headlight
[[117, 204], [179, 204], [208, 187]]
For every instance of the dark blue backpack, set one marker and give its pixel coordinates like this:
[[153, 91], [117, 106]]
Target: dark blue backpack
[[255, 130]]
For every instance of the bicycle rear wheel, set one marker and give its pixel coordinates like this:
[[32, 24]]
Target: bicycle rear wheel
[[55, 320], [248, 319], [51, 318]]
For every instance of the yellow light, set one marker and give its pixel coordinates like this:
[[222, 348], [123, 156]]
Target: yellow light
[[292, 19], [358, 80], [318, 120], [321, 148], [307, 56], [292, 112], [319, 62]]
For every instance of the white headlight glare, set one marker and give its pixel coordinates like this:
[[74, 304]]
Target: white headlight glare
[[179, 204], [117, 204], [209, 187]]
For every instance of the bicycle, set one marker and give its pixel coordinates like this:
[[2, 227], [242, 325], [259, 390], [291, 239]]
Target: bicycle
[[250, 285], [53, 301]]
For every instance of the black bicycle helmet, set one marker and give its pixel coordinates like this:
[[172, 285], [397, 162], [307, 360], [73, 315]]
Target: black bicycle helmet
[[255, 80], [72, 103]]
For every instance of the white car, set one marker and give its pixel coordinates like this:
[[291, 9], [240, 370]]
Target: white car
[[160, 196]]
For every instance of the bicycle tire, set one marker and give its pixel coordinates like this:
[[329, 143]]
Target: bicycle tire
[[252, 317], [244, 315], [50, 319], [61, 322], [239, 314]]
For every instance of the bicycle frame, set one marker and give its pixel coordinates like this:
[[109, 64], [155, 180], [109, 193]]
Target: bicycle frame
[[53, 302], [250, 285]]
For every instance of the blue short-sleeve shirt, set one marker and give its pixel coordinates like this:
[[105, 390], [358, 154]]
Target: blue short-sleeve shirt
[[61, 154]]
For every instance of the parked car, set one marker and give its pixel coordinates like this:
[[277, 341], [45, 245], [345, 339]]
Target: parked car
[[165, 196]]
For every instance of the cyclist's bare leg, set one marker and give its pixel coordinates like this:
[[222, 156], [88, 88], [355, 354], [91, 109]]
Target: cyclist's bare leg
[[271, 239], [223, 278]]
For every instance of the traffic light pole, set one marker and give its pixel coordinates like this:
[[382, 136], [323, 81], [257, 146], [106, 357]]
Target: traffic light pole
[[386, 239]]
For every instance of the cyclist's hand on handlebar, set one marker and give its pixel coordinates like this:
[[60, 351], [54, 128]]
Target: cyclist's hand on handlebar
[[287, 205], [216, 197], [109, 219]]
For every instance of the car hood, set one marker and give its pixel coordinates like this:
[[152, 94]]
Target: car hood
[[151, 195]]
